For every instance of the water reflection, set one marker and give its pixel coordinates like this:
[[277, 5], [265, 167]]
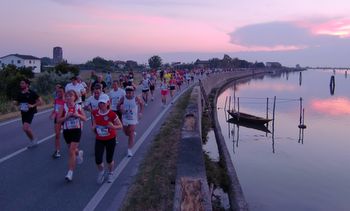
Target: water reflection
[[335, 107], [305, 165]]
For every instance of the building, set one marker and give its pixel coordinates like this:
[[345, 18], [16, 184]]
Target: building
[[273, 65], [22, 61], [57, 55], [202, 63]]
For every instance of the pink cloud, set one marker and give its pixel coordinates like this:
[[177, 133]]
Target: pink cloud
[[336, 27], [336, 107]]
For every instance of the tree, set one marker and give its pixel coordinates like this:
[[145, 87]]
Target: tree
[[155, 62], [64, 68]]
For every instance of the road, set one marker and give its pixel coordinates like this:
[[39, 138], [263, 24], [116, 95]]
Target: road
[[32, 180]]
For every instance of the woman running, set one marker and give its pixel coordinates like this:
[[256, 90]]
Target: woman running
[[164, 91], [72, 117], [58, 104], [105, 124]]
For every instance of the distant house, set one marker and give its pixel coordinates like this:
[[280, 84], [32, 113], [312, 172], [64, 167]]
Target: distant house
[[201, 64], [120, 64], [22, 61], [273, 65]]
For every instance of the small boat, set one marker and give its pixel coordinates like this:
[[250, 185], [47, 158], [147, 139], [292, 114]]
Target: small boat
[[244, 117], [260, 127]]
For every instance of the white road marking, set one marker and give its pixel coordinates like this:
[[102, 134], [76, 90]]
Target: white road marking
[[24, 149], [18, 119]]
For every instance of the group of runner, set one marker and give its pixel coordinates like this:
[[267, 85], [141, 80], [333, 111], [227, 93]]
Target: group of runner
[[117, 108]]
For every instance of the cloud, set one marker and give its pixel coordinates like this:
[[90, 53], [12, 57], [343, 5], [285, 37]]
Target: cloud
[[284, 34]]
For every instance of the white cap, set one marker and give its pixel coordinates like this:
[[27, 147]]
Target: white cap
[[103, 98]]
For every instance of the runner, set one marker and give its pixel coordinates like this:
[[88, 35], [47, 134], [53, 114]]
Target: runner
[[172, 86], [105, 124], [131, 108], [77, 87], [92, 102], [115, 95], [28, 100], [145, 83], [58, 104], [83, 95], [72, 117], [164, 91], [152, 85]]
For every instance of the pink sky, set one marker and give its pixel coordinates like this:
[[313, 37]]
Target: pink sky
[[138, 29]]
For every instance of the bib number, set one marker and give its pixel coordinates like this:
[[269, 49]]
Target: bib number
[[102, 131], [24, 106], [73, 123]]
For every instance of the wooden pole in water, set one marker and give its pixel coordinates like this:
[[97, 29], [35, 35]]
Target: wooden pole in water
[[234, 100], [267, 108], [301, 109], [273, 124], [229, 104], [238, 107]]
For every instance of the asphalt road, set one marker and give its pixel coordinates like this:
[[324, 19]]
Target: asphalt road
[[32, 180]]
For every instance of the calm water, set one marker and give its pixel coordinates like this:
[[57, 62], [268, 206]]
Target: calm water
[[283, 170]]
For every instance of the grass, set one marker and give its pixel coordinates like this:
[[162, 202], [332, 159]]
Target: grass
[[154, 187]]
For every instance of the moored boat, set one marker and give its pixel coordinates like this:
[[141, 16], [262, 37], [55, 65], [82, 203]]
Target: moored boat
[[244, 117]]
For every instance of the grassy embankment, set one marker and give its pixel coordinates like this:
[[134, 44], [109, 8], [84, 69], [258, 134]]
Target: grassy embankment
[[154, 187]]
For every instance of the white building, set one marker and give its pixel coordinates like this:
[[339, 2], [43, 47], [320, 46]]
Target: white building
[[22, 61]]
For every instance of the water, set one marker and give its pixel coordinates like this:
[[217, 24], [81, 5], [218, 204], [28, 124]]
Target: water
[[285, 170]]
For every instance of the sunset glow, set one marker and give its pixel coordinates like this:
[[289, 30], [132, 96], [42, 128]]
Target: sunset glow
[[201, 29], [338, 106]]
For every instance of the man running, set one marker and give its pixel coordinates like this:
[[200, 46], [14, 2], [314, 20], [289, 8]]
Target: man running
[[131, 107], [145, 83], [28, 100], [77, 87], [115, 95]]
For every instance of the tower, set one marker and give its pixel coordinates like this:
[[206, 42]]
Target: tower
[[57, 55]]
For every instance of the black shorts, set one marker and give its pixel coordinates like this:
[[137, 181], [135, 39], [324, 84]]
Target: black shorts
[[119, 114], [27, 117], [145, 90], [100, 146], [72, 135], [172, 87], [152, 87]]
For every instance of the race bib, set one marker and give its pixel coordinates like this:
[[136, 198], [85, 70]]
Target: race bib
[[73, 123], [129, 115], [57, 107], [102, 130], [24, 106]]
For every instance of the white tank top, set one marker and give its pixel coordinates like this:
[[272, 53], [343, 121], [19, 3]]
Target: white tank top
[[72, 122], [130, 111]]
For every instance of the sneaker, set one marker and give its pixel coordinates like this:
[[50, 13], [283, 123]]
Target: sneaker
[[130, 153], [33, 143], [56, 154], [110, 177], [100, 177], [146, 104], [152, 98], [69, 176], [80, 158]]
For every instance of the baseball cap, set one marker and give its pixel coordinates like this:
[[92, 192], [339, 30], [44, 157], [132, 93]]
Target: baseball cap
[[103, 99]]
